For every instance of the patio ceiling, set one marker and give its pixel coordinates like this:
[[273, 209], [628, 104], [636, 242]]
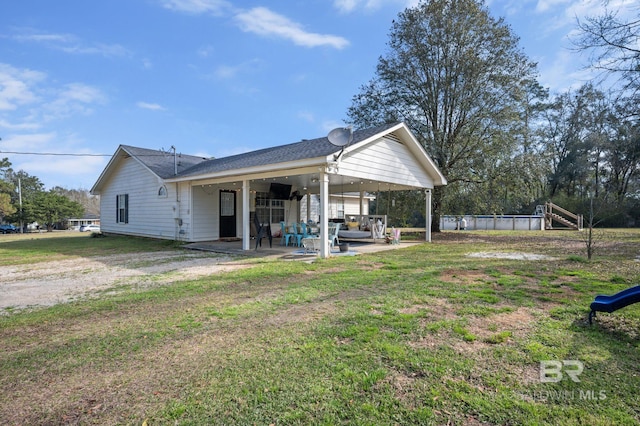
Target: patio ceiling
[[310, 183]]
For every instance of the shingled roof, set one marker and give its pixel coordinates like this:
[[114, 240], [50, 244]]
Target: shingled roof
[[161, 162], [308, 148]]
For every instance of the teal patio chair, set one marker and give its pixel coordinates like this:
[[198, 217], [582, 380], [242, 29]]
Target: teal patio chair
[[286, 235], [297, 236]]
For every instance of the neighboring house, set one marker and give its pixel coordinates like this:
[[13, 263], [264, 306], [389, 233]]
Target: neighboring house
[[88, 219], [152, 193]]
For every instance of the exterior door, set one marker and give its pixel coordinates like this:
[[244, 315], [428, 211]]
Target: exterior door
[[227, 214]]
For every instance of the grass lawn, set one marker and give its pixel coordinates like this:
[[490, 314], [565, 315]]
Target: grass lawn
[[423, 335]]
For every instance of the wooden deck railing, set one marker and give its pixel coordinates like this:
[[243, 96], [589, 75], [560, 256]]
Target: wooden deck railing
[[553, 212]]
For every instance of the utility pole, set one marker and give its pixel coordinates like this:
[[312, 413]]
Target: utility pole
[[20, 201]]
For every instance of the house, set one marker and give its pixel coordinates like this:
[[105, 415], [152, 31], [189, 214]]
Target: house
[[153, 193], [87, 219]]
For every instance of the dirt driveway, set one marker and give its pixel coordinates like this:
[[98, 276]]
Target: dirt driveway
[[56, 282]]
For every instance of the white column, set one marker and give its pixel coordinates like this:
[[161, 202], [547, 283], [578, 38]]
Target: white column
[[324, 215], [428, 227], [246, 215]]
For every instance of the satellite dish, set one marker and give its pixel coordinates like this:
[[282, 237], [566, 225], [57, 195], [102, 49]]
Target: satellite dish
[[341, 136]]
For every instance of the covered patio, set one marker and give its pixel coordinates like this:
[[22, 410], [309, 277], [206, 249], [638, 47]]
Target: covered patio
[[235, 247], [386, 158]]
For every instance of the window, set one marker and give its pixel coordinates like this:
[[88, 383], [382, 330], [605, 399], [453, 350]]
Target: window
[[340, 207], [162, 192], [269, 211], [122, 208]]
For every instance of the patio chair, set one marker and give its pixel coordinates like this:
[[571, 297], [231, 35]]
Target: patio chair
[[286, 235], [262, 231], [303, 233], [297, 236], [334, 228]]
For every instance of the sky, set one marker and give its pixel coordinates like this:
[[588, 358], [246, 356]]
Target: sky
[[212, 78]]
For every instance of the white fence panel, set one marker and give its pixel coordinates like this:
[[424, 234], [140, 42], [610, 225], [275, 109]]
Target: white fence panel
[[493, 222]]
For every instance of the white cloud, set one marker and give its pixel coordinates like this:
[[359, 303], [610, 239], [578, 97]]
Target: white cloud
[[54, 169], [214, 7], [73, 99], [150, 106], [260, 21], [69, 43], [264, 22], [225, 72], [561, 74], [45, 38], [18, 126], [307, 116], [26, 104], [348, 6], [16, 86], [544, 5], [64, 166], [205, 51], [31, 142]]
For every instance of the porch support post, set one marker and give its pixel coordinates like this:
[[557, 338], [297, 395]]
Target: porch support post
[[324, 214], [428, 215], [308, 201], [246, 216], [362, 203]]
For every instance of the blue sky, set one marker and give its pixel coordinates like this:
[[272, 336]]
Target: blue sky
[[210, 77]]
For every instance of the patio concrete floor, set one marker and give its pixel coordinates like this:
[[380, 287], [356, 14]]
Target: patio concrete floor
[[292, 252]]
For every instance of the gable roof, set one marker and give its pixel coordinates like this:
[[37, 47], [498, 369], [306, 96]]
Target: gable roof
[[312, 152], [305, 149], [161, 163]]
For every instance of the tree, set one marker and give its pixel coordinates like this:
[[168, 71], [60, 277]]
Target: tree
[[6, 190], [457, 77], [576, 131], [6, 208], [622, 153], [50, 208], [614, 45], [91, 203]]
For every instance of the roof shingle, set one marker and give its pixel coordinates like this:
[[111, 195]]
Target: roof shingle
[[308, 148]]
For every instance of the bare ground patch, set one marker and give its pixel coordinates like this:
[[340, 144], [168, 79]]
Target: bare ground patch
[[61, 281]]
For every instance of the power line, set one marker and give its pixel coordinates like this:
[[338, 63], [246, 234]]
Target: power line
[[160, 154], [55, 154]]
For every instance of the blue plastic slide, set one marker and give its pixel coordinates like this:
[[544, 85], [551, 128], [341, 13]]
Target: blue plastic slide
[[603, 303]]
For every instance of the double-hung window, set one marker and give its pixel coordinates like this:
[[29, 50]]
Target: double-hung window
[[269, 211], [122, 208]]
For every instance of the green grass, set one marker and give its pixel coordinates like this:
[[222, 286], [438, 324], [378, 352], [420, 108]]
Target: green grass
[[423, 335], [24, 249]]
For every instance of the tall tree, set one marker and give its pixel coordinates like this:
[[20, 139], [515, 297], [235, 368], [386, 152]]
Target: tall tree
[[614, 44], [621, 153], [91, 203], [575, 132], [457, 77], [50, 208], [6, 208]]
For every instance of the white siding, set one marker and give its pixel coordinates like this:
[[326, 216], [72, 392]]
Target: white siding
[[386, 161], [206, 209], [206, 212], [149, 214]]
